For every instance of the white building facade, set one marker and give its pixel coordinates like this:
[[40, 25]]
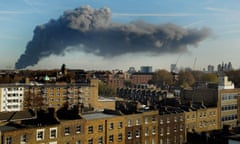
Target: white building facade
[[11, 98]]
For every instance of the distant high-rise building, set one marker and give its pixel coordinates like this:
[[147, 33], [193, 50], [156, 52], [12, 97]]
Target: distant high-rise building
[[210, 68], [131, 70], [173, 68], [146, 69], [219, 67], [225, 67], [230, 66]]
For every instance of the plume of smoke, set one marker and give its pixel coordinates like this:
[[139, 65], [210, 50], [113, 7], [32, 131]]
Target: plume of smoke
[[91, 30]]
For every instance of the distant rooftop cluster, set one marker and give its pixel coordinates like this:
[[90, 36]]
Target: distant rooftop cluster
[[77, 106]]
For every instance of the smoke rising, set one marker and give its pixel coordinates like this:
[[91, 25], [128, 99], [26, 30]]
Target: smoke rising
[[91, 30]]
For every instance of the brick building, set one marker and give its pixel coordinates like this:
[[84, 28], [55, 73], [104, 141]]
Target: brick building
[[141, 78], [57, 94], [142, 128], [171, 126]]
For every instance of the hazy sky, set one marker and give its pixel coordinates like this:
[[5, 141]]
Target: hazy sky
[[18, 19]]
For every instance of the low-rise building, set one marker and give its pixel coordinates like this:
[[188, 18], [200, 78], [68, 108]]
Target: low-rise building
[[201, 118], [141, 78], [171, 126]]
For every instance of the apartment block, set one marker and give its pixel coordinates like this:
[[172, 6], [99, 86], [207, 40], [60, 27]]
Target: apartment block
[[58, 94], [11, 97], [228, 107], [227, 102]]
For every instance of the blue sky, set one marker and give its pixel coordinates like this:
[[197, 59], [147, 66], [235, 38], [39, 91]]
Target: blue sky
[[18, 19]]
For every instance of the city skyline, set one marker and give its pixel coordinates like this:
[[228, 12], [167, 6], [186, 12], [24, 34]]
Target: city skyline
[[219, 17]]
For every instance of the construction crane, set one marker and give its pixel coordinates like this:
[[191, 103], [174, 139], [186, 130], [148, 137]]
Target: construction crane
[[177, 62]]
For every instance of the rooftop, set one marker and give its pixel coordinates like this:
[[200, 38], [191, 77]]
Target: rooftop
[[7, 128], [19, 115], [98, 115]]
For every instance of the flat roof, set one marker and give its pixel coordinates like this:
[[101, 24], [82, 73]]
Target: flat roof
[[97, 115], [7, 128]]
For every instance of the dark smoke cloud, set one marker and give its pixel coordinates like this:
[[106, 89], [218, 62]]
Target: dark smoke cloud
[[91, 30]]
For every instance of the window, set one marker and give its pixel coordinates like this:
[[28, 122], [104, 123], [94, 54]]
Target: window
[[100, 140], [161, 141], [90, 129], [53, 133], [153, 130], [181, 118], [168, 130], [146, 120], [137, 122], [40, 134], [175, 128], [161, 132], [129, 136], [78, 129], [161, 121], [175, 119], [129, 123], [111, 138], [120, 125], [146, 132], [120, 137], [67, 131], [153, 118], [181, 127], [100, 127], [111, 126], [23, 138], [9, 140], [90, 141], [168, 120], [153, 141], [137, 133]]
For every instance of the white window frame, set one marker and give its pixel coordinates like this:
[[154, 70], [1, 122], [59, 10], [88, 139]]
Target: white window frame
[[120, 125], [120, 137], [23, 139], [137, 121], [78, 129], [111, 126], [138, 133], [129, 135], [50, 133], [67, 132], [129, 123], [37, 136], [100, 140], [9, 140]]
